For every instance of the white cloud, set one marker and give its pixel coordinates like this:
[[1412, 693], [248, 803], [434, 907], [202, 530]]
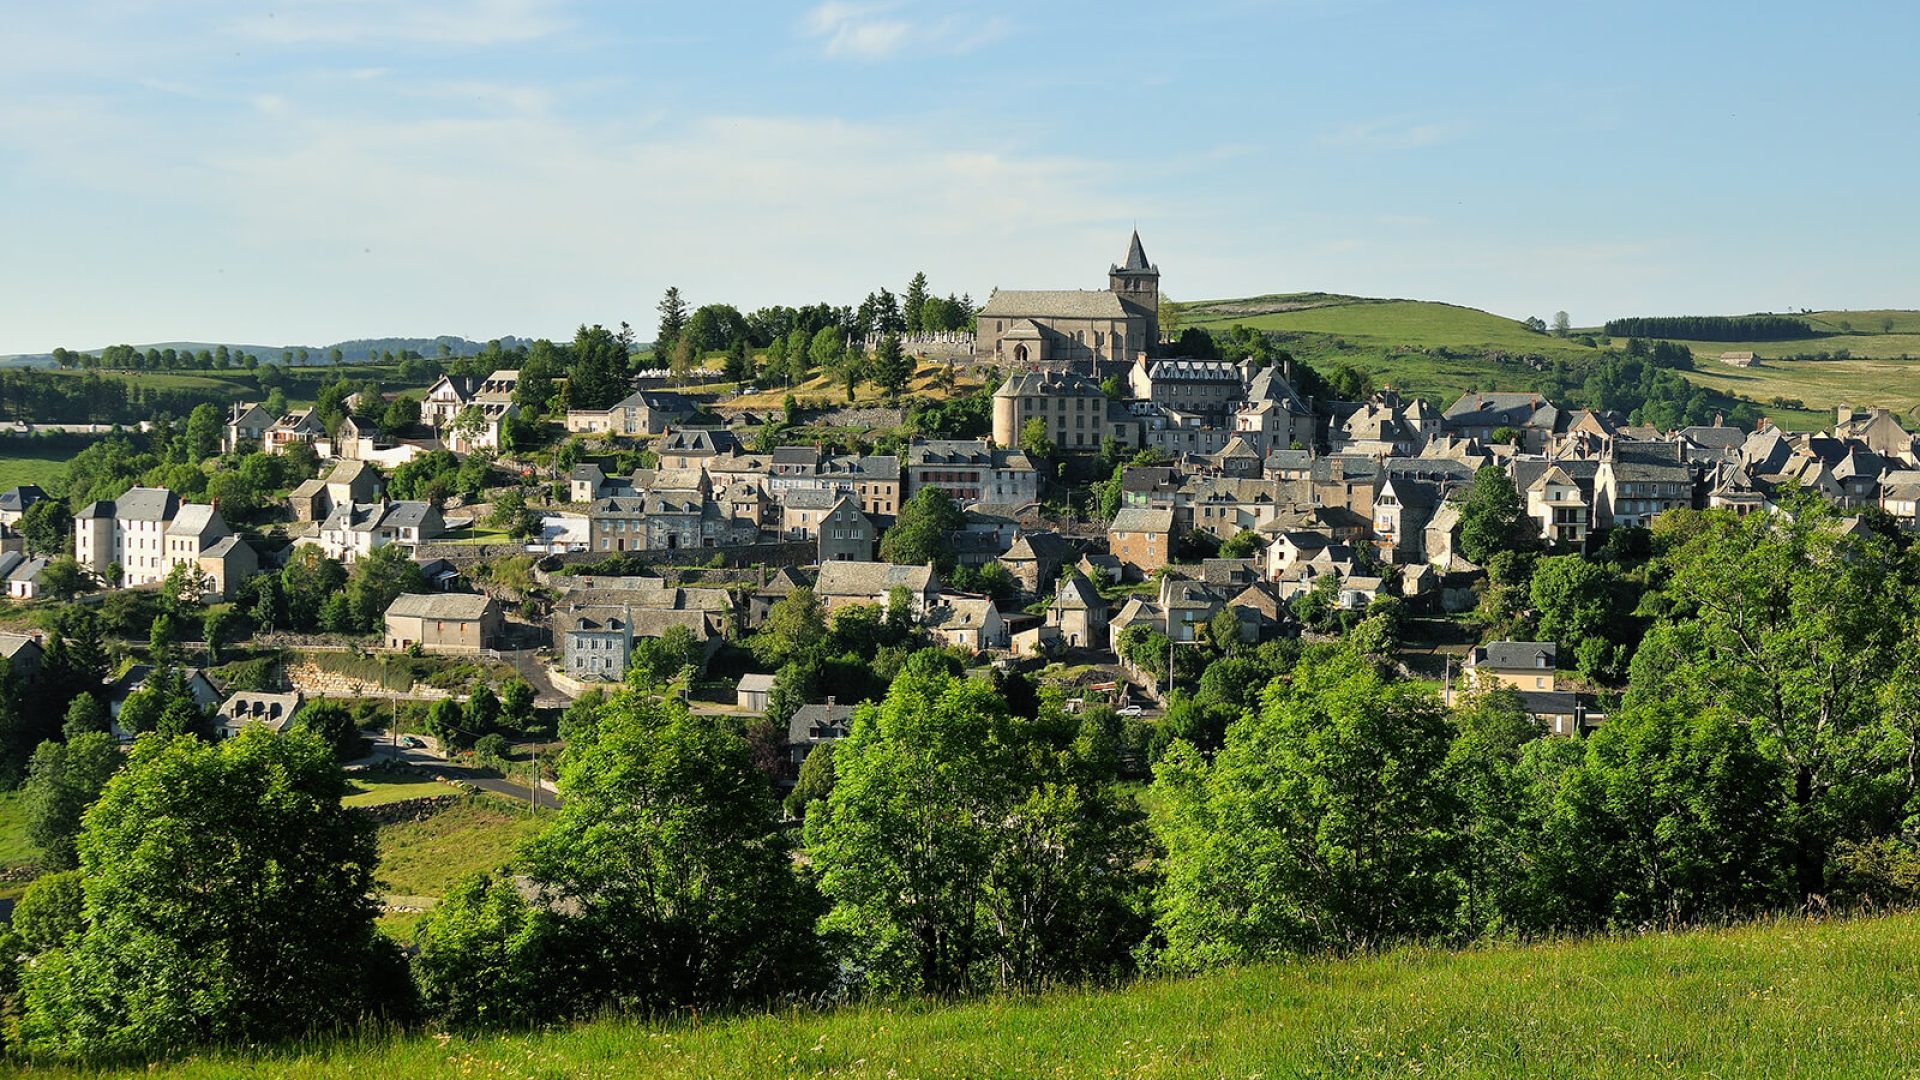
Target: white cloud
[[517, 220], [876, 31], [414, 22], [1390, 135]]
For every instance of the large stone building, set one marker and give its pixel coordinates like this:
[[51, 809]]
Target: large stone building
[[147, 531], [1077, 414], [1077, 327]]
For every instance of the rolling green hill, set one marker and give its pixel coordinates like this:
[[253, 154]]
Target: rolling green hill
[[1442, 350], [1780, 1000]]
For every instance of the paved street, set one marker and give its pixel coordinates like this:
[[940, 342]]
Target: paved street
[[428, 758]]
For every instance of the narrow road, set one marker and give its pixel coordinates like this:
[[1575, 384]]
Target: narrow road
[[429, 759]]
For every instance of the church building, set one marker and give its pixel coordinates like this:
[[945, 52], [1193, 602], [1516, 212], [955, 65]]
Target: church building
[[1090, 330]]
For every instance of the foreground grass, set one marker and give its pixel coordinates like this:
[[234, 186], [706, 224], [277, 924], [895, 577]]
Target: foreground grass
[[1789, 999]]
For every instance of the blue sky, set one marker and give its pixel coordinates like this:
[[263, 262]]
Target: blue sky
[[284, 171]]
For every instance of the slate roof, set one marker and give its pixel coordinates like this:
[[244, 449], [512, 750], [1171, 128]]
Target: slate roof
[[949, 452], [145, 504], [872, 579], [17, 499], [1549, 702], [1185, 370], [1142, 519], [819, 723], [1136, 258], [1078, 594], [195, 519], [961, 613], [438, 605], [1514, 655], [1054, 303], [1048, 384], [809, 499], [223, 547]]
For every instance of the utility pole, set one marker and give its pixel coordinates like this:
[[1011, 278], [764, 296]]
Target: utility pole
[[533, 786]]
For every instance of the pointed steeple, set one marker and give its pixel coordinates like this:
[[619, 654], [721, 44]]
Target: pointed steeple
[[1136, 255]]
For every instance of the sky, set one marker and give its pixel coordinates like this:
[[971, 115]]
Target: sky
[[303, 171]]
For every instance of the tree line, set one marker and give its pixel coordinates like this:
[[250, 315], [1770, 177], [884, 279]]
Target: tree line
[[1712, 327]]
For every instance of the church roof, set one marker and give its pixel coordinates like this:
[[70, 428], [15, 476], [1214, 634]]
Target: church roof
[[1136, 258], [1054, 303]]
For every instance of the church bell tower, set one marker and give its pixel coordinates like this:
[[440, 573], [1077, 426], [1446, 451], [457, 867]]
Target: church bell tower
[[1137, 282]]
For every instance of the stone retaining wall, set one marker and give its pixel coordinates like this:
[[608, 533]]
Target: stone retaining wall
[[419, 809]]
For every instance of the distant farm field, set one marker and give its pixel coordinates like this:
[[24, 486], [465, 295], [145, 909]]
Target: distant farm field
[[1442, 350], [1822, 384]]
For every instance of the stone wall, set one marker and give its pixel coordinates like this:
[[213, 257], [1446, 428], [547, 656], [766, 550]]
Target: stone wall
[[316, 682], [868, 417], [420, 809]]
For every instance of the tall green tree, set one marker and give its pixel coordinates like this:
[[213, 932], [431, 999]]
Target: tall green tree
[[598, 376], [229, 899], [673, 320], [1794, 627], [62, 781], [914, 303], [667, 853], [923, 530], [892, 368], [377, 579], [204, 428], [964, 847], [795, 623], [1324, 823], [1494, 518]]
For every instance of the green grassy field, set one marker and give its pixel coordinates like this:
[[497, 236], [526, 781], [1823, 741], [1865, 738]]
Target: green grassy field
[[1384, 323], [425, 858], [374, 788], [32, 467], [1398, 342], [1786, 1000], [15, 848]]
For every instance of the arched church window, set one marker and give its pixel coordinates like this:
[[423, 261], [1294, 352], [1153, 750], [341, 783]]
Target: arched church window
[[1019, 354]]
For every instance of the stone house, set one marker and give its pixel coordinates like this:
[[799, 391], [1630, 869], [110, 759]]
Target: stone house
[[968, 622], [843, 583], [256, 708], [1523, 665], [443, 622], [247, 425], [1141, 539], [1079, 613]]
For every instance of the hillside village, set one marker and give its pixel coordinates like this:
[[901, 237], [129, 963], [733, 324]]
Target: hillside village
[[1125, 501], [819, 653]]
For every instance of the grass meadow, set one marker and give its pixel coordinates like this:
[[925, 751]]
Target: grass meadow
[[1394, 340], [421, 860], [31, 466], [1784, 999]]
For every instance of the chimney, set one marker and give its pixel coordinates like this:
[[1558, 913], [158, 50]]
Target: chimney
[[1844, 413]]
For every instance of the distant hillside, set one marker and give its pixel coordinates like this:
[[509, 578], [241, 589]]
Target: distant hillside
[[1442, 350], [1795, 998], [356, 349]]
